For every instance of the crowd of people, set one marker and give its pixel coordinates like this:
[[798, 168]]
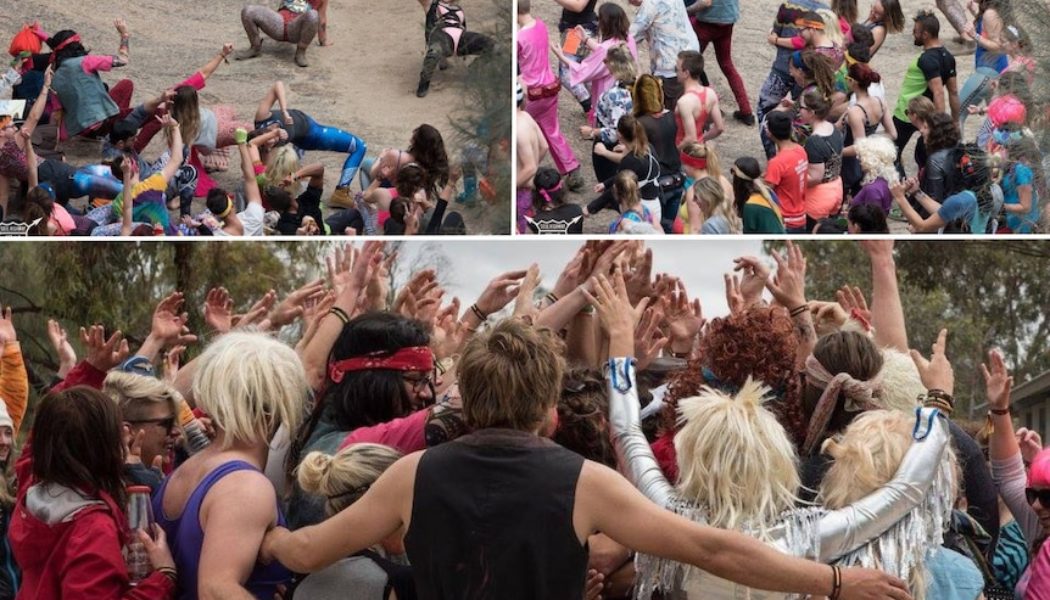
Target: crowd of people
[[604, 440], [278, 191], [834, 142]]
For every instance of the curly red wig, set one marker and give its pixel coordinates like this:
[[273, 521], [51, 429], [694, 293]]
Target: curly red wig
[[760, 343]]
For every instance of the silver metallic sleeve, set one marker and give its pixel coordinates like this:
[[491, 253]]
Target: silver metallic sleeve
[[634, 455], [843, 531]]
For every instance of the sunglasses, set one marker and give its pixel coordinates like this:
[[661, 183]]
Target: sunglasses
[[1042, 495], [420, 383], [167, 423]]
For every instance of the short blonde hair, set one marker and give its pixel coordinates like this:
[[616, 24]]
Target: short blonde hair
[[510, 376], [283, 162], [249, 384], [735, 458], [133, 393], [620, 63], [343, 478]]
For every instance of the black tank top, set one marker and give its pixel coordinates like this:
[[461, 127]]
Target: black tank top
[[570, 19], [492, 519]]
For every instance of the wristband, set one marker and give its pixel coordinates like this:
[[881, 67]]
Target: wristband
[[836, 582], [999, 411], [335, 310], [170, 573], [477, 313], [240, 136], [798, 310], [552, 298], [684, 355]]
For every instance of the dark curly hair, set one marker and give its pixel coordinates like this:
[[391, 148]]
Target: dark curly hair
[[944, 133], [759, 343], [582, 426], [427, 147]]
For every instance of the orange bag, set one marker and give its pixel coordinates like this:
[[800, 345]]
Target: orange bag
[[26, 40]]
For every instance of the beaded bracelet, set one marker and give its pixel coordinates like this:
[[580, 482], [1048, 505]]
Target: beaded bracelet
[[335, 310], [477, 313], [836, 582]]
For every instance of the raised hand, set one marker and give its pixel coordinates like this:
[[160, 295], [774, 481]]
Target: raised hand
[[291, 308], [218, 310], [257, 313], [789, 285], [684, 318], [754, 275], [640, 279], [997, 381], [734, 297], [102, 353], [169, 324], [649, 340], [7, 327], [1030, 443], [936, 373], [575, 271], [524, 308], [500, 291], [172, 360], [67, 356], [851, 299]]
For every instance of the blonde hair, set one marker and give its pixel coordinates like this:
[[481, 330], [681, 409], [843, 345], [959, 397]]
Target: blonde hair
[[831, 27], [877, 154], [708, 191], [625, 189], [620, 63], [901, 384], [282, 162], [705, 151], [735, 458], [133, 393], [249, 383], [866, 457], [343, 478]]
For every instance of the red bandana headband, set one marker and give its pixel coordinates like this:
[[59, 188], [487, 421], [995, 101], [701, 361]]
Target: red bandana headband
[[546, 193], [54, 51], [413, 358], [695, 162]]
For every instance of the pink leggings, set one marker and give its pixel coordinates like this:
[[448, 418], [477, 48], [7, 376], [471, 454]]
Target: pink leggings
[[545, 113]]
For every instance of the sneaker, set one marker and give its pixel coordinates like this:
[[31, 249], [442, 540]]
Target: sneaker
[[574, 181], [424, 87], [300, 57], [248, 53], [746, 119]]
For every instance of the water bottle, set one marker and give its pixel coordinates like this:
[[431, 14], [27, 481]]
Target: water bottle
[[140, 516], [196, 438]]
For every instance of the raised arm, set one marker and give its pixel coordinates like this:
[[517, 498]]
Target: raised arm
[[210, 66], [123, 56], [887, 312], [276, 94], [175, 146], [33, 177], [251, 184]]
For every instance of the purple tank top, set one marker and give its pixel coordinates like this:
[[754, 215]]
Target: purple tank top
[[186, 538]]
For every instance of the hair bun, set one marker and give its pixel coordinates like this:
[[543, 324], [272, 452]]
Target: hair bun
[[312, 473]]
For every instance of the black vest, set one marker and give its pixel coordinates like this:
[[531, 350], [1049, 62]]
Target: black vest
[[492, 519]]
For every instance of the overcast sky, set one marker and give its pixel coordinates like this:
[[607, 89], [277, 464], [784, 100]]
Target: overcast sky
[[699, 263]]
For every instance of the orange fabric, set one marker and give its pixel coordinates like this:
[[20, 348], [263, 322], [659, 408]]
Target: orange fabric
[[14, 383]]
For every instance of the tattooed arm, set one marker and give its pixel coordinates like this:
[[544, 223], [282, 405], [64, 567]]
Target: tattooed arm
[[445, 422]]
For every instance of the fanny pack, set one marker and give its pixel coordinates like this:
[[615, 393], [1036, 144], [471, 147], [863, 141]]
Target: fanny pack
[[671, 182], [539, 92]]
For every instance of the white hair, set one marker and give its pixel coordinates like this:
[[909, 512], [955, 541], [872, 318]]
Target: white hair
[[877, 154], [249, 384]]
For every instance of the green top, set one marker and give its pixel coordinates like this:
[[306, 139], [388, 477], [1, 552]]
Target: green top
[[761, 216]]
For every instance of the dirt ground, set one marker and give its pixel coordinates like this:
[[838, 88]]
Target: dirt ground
[[753, 58], [364, 82]]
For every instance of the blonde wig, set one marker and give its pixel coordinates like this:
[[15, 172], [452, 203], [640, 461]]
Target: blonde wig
[[866, 456], [283, 162], [876, 154], [901, 384], [250, 384], [735, 458], [832, 28], [343, 478], [134, 392]]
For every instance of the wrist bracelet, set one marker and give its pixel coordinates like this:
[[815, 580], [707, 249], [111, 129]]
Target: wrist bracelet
[[552, 298], [999, 411], [477, 313], [798, 310], [170, 573], [335, 310], [836, 582], [684, 355]]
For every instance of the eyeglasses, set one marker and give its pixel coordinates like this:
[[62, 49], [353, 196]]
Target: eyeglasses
[[419, 383], [1043, 496], [167, 423]]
